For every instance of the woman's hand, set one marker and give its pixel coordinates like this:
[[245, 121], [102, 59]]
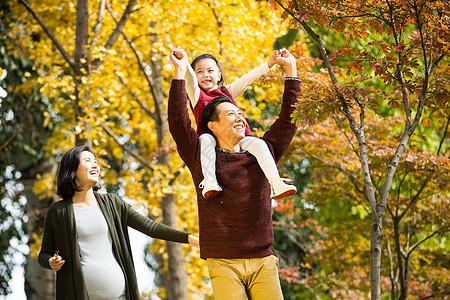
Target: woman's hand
[[56, 262], [194, 241]]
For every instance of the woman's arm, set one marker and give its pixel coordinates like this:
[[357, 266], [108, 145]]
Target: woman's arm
[[152, 228], [47, 257]]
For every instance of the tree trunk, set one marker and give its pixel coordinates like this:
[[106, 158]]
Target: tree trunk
[[376, 238], [400, 264], [176, 283], [40, 283]]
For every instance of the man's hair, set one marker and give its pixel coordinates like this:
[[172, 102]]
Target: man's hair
[[210, 112], [205, 56], [66, 182]]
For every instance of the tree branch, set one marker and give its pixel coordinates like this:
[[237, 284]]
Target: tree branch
[[136, 98], [125, 147], [52, 37], [423, 240], [117, 31], [141, 66], [98, 24]]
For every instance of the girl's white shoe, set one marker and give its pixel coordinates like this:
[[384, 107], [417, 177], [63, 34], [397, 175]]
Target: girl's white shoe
[[279, 189], [210, 187]]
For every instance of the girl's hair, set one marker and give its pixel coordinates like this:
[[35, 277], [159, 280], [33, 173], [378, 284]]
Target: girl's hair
[[205, 56], [66, 182]]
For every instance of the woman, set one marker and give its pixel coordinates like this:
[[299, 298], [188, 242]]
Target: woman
[[86, 237]]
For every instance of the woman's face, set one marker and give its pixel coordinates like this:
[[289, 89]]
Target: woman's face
[[88, 170]]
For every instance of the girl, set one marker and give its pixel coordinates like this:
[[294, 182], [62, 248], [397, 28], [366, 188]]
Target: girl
[[204, 82], [90, 231]]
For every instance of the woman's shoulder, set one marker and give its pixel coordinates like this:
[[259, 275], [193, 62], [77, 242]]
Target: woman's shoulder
[[60, 204], [109, 198], [57, 207]]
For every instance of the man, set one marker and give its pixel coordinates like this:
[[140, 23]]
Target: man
[[236, 226]]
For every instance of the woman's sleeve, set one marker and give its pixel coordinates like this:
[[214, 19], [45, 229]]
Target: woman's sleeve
[[240, 85], [192, 88], [48, 241], [152, 228]]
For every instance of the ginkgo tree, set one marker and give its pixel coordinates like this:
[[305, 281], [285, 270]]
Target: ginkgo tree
[[106, 65], [393, 57]]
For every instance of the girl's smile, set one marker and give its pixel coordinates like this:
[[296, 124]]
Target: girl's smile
[[208, 74]]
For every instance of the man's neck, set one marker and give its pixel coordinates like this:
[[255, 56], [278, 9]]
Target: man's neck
[[232, 147]]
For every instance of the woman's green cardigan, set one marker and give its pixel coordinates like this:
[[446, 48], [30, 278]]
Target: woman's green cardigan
[[60, 234]]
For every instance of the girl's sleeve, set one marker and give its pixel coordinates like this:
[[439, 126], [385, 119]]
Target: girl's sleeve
[[240, 85], [192, 88]]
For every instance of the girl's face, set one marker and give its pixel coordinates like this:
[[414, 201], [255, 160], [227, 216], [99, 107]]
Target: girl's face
[[88, 170], [208, 74]]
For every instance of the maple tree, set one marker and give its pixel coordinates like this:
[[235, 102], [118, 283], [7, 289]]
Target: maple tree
[[393, 63], [414, 235], [104, 67]]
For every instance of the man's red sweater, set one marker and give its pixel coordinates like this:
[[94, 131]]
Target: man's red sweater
[[238, 222]]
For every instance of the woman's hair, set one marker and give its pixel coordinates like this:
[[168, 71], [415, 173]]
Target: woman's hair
[[66, 181], [210, 112], [205, 56]]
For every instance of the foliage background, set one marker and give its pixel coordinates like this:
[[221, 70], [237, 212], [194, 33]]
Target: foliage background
[[321, 234]]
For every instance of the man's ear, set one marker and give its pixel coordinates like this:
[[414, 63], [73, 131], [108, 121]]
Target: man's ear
[[212, 126]]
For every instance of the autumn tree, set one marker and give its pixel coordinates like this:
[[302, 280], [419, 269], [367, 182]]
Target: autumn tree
[[414, 241], [393, 58], [22, 159], [105, 67]]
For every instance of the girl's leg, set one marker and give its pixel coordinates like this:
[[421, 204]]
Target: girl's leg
[[258, 148], [208, 163]]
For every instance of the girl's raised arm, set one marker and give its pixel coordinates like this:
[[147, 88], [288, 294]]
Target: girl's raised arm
[[192, 88], [239, 86]]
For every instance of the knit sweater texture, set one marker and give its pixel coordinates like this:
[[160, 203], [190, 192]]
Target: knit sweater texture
[[60, 234], [238, 222]]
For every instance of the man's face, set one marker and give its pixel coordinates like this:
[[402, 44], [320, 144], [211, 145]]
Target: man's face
[[230, 128]]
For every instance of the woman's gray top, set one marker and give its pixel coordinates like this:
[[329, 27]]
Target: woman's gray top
[[103, 276]]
